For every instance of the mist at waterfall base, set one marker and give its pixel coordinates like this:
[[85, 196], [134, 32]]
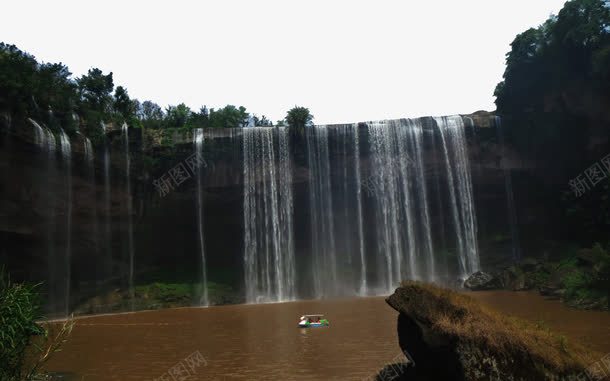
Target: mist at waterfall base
[[331, 211]]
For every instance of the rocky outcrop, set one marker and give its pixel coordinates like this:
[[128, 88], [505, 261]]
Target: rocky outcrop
[[450, 336], [480, 281], [580, 280]]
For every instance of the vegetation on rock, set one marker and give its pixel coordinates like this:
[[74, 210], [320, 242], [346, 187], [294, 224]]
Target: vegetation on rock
[[475, 342]]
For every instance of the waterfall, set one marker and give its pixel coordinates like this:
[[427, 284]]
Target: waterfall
[[89, 161], [287, 267], [324, 266], [39, 134], [125, 134], [43, 137], [363, 286], [451, 130], [393, 197], [107, 206], [416, 136], [54, 263], [198, 142], [268, 206], [66, 152], [510, 198]]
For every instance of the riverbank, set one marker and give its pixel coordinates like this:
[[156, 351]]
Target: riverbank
[[579, 277]]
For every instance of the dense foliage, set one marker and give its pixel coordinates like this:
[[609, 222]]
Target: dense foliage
[[19, 310], [555, 105], [25, 344], [556, 88], [49, 94]]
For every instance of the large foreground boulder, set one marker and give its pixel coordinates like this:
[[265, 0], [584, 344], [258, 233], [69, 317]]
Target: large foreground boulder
[[451, 336]]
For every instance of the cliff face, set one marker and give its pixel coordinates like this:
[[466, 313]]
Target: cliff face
[[451, 337], [36, 228]]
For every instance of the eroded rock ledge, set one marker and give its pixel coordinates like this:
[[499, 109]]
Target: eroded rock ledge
[[451, 336]]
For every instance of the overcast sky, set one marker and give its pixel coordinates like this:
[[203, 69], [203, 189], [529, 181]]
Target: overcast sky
[[346, 60]]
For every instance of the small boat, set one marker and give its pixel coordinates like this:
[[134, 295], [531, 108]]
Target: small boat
[[313, 321]]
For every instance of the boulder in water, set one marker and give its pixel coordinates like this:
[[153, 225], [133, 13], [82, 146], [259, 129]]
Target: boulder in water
[[480, 281], [450, 336]]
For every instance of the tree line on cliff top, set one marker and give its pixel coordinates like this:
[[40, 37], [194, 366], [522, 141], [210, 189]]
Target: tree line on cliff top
[[48, 93], [556, 87]]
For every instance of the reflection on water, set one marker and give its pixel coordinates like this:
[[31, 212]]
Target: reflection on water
[[262, 342]]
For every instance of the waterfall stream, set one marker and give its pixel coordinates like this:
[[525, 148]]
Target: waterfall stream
[[66, 152], [198, 143], [129, 201], [324, 260], [268, 207], [107, 263], [451, 130]]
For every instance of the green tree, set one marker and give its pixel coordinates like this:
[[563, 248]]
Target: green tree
[[556, 80], [122, 104], [299, 117], [96, 101], [95, 90], [177, 116], [150, 111], [199, 119], [17, 80], [56, 95], [229, 117]]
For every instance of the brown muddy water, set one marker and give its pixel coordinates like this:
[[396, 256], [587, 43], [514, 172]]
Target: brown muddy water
[[262, 342], [240, 342]]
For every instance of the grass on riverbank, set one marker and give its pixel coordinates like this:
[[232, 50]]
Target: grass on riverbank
[[460, 317]]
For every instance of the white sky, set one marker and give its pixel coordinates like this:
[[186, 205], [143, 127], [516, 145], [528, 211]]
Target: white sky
[[346, 60]]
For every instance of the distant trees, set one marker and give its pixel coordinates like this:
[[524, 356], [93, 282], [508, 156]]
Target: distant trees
[[229, 116], [48, 93]]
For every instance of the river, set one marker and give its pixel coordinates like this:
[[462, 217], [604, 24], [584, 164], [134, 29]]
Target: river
[[262, 342]]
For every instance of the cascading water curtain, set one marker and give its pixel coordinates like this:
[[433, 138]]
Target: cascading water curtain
[[66, 151], [324, 256], [269, 263], [406, 189], [395, 195], [453, 139]]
